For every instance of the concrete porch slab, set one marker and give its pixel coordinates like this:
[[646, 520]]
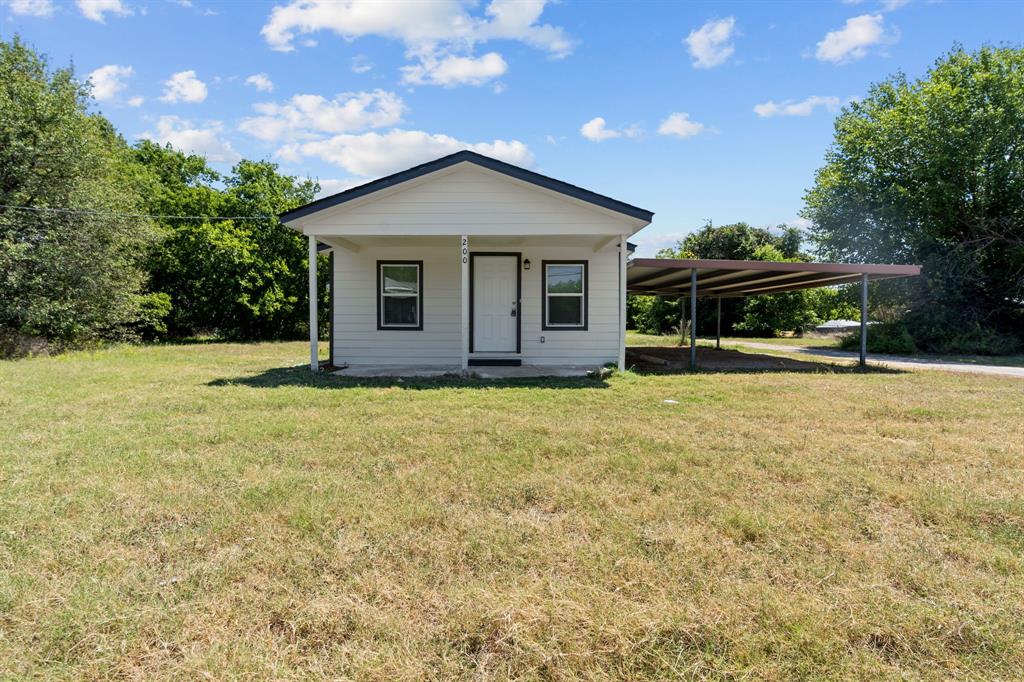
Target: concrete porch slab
[[428, 372], [530, 371], [411, 371]]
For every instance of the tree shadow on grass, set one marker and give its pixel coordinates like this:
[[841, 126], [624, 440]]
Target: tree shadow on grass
[[676, 360], [300, 376]]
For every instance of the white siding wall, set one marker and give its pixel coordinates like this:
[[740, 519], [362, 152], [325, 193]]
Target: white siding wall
[[357, 340], [596, 345]]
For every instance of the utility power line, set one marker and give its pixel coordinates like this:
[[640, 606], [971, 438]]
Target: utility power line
[[111, 214]]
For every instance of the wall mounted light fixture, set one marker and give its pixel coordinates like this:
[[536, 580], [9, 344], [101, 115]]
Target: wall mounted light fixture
[[526, 264]]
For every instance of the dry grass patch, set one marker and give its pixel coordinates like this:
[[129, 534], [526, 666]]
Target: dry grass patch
[[180, 511]]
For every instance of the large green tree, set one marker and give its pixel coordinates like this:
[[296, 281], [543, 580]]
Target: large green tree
[[226, 263], [932, 172], [736, 241], [69, 267]]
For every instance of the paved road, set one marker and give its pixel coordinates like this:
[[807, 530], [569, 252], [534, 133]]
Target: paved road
[[897, 361]]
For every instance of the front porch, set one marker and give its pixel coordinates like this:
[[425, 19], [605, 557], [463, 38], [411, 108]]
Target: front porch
[[476, 304]]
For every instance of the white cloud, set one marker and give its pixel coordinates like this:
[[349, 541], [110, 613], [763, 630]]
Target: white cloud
[[439, 35], [305, 116], [184, 86], [649, 243], [790, 108], [596, 130], [852, 41], [376, 154], [135, 101], [517, 20], [711, 44], [31, 8], [109, 80], [891, 5], [96, 10], [361, 64], [261, 82], [329, 186], [680, 125], [185, 136], [451, 70]]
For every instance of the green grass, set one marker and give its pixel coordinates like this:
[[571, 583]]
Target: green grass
[[212, 511]]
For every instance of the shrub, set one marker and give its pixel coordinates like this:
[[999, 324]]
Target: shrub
[[653, 314], [884, 337]]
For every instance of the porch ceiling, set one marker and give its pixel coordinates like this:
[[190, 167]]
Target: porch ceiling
[[739, 278]]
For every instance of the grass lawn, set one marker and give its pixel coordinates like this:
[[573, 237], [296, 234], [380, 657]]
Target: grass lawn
[[206, 511]]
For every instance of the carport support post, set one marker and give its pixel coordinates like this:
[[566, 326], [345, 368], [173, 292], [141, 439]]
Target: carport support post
[[718, 325], [864, 320], [314, 326], [693, 318]]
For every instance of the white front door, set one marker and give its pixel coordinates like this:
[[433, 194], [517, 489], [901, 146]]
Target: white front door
[[495, 303]]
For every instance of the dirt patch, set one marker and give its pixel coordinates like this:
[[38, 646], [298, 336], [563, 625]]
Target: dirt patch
[[677, 359]]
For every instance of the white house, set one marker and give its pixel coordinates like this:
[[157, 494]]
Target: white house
[[467, 260]]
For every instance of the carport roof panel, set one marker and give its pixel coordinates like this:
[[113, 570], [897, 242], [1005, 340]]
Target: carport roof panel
[[738, 278]]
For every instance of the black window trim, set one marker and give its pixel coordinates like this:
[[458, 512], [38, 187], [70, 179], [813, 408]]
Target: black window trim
[[380, 296], [544, 295]]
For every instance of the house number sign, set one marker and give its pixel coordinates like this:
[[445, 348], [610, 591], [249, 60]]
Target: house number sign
[[465, 250]]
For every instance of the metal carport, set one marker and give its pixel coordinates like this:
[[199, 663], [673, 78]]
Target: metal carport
[[705, 278]]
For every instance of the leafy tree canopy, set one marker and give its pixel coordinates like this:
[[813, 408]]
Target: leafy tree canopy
[[932, 172], [71, 275], [243, 277], [737, 241], [94, 269]]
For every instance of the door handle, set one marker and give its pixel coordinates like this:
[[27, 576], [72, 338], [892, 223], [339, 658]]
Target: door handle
[[514, 308]]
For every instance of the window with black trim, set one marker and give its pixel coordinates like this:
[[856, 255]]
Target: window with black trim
[[565, 294], [399, 294]]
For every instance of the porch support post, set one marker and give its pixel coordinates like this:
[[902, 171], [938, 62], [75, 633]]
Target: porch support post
[[623, 254], [314, 334], [718, 325], [864, 320], [693, 318], [464, 260]]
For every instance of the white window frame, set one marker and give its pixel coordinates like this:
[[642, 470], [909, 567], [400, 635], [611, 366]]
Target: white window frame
[[582, 295], [382, 295]]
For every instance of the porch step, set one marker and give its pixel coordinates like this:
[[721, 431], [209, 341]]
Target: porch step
[[495, 362]]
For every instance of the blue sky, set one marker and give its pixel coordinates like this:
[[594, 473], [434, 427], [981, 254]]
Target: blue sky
[[695, 111]]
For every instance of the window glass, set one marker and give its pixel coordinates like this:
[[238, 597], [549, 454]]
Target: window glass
[[401, 310], [565, 310], [565, 279], [400, 279]]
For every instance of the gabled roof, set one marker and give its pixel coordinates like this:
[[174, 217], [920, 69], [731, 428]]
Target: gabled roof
[[480, 160]]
